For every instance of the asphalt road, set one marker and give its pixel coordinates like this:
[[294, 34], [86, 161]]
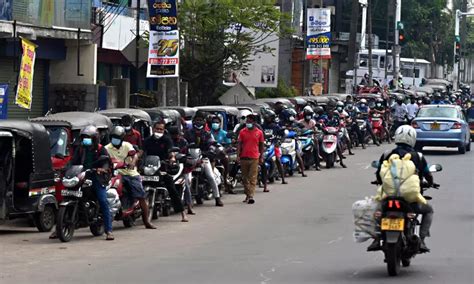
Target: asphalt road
[[299, 233]]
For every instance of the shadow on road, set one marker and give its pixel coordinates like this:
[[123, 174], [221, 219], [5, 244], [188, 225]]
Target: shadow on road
[[376, 274]]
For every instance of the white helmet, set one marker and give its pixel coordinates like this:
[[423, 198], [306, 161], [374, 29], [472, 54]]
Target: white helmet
[[308, 109], [405, 134], [244, 113]]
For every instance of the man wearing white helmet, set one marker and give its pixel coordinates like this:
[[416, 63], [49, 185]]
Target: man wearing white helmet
[[243, 118], [405, 139]]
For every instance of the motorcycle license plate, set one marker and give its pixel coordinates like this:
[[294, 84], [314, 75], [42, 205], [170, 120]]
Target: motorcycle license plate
[[391, 224], [150, 178], [74, 193], [435, 126]]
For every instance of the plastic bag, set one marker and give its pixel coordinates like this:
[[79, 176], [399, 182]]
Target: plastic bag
[[365, 226]]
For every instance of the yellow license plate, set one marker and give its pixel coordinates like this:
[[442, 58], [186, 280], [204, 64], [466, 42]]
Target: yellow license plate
[[435, 126], [390, 224]]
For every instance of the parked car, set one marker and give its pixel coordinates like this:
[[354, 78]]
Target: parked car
[[442, 125], [470, 120]]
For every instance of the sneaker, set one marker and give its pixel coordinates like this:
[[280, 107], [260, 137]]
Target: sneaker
[[251, 201], [374, 246], [423, 247]]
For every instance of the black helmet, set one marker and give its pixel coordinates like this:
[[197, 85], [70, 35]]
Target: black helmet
[[437, 96], [319, 110], [269, 114], [118, 132]]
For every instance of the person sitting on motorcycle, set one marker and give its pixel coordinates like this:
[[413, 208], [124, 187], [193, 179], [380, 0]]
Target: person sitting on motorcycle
[[203, 139], [399, 113], [334, 120], [270, 126], [86, 154], [364, 113], [160, 144], [243, 119], [288, 122], [405, 139], [437, 99], [309, 123], [220, 136], [353, 112], [177, 138], [380, 109], [132, 136], [344, 115], [123, 151]]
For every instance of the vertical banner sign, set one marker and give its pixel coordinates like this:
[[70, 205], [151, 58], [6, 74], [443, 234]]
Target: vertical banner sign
[[163, 54], [318, 36], [3, 101], [24, 91], [163, 15], [163, 51]]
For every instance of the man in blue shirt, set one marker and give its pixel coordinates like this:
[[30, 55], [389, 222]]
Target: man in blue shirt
[[220, 136]]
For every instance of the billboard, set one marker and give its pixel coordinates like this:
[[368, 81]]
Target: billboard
[[163, 54], [318, 37], [163, 15]]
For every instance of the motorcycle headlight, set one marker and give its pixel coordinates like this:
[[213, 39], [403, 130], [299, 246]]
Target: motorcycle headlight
[[149, 171], [70, 182]]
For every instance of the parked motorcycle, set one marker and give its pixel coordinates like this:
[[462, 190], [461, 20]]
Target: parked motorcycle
[[329, 145], [307, 147], [376, 120], [269, 157], [79, 207], [399, 226], [151, 178], [288, 151]]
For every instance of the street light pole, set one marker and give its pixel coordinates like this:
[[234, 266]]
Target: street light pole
[[396, 47], [457, 16]]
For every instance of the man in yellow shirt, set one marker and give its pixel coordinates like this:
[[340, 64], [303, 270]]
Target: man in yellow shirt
[[123, 151]]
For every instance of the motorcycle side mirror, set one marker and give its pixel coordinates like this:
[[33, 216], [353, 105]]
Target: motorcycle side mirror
[[435, 168], [375, 164]]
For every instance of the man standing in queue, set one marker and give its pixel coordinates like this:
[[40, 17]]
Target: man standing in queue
[[250, 153], [160, 144], [124, 151]]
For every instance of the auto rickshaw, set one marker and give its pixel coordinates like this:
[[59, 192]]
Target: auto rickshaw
[[26, 174], [171, 117], [228, 114], [272, 101], [142, 120]]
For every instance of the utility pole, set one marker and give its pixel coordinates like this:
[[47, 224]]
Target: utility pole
[[457, 16], [396, 47], [321, 76], [387, 31], [363, 28], [352, 48], [305, 45], [137, 41], [369, 11]]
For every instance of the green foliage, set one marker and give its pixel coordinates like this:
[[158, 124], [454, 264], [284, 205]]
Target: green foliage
[[214, 42], [282, 90]]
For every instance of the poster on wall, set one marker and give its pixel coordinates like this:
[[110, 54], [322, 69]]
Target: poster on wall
[[163, 15], [24, 91], [3, 101], [163, 54], [318, 38], [6, 10]]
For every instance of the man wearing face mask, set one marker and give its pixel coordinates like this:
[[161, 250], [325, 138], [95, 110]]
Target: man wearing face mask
[[160, 144], [353, 113], [380, 109], [309, 123], [220, 136], [344, 116], [123, 151], [400, 113], [86, 154], [364, 112], [412, 109], [203, 139], [132, 136]]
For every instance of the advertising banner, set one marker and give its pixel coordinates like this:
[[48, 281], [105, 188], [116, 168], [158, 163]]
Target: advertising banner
[[318, 38], [163, 54], [163, 15], [6, 10], [24, 91], [3, 101]]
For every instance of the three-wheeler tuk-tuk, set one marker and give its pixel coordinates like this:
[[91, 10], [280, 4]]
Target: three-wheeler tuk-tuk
[[228, 114], [142, 120], [171, 117], [26, 174]]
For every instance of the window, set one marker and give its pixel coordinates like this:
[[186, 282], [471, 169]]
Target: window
[[408, 72], [58, 141], [447, 112]]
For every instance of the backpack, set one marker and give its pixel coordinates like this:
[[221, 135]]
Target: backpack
[[400, 179]]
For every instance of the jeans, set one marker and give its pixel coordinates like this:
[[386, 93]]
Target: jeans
[[427, 211], [174, 195], [207, 168], [101, 193]]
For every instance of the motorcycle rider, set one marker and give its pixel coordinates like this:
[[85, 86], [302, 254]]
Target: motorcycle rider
[[86, 154], [405, 139], [288, 121], [364, 113], [381, 109], [269, 124], [333, 119], [354, 112], [399, 113], [160, 144], [309, 123], [132, 136], [344, 115], [437, 99], [220, 136], [203, 139], [125, 152]]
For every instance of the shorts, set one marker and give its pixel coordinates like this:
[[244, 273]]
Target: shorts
[[134, 186], [278, 152]]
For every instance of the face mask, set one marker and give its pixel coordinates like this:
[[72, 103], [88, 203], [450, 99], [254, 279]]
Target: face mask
[[116, 141], [216, 126], [158, 135], [339, 109], [128, 128], [249, 125], [291, 118], [308, 117], [379, 105], [316, 115], [198, 125], [349, 106], [362, 105], [87, 141]]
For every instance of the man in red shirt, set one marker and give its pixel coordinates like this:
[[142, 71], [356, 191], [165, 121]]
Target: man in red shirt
[[132, 136], [250, 153]]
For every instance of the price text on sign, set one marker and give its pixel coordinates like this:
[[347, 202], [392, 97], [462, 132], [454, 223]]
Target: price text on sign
[[321, 39], [163, 61]]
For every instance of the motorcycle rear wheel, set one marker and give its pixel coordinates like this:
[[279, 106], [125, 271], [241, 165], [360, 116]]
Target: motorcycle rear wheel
[[330, 159], [392, 256], [64, 225]]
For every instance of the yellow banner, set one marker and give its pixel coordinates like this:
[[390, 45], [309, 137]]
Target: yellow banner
[[24, 91]]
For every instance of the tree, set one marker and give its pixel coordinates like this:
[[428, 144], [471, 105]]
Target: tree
[[222, 35]]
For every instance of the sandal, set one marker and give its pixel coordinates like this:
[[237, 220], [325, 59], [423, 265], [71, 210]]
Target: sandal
[[109, 237]]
